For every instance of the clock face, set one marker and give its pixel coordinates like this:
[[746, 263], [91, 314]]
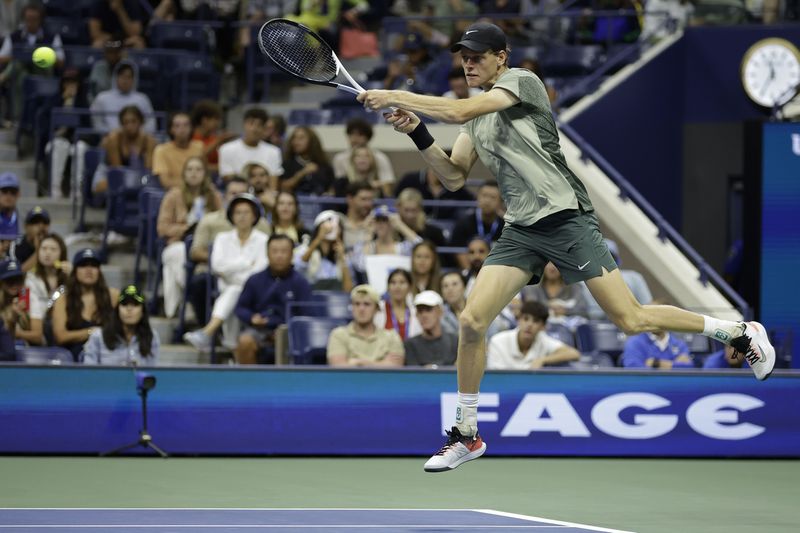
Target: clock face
[[771, 72]]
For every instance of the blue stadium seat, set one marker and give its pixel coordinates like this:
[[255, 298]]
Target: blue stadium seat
[[308, 338], [182, 35], [193, 79], [571, 60], [698, 344], [308, 117], [44, 355], [330, 304], [148, 244], [35, 90], [72, 30], [600, 336], [188, 267], [73, 8], [122, 204], [561, 332], [91, 160]]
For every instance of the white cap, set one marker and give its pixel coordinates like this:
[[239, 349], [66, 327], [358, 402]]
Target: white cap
[[429, 298], [326, 215]]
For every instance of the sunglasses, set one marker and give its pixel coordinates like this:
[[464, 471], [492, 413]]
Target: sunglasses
[[8, 190]]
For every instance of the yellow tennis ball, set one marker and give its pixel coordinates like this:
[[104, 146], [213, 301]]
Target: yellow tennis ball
[[44, 57]]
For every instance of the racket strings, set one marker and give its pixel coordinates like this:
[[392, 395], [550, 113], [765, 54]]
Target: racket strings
[[298, 51]]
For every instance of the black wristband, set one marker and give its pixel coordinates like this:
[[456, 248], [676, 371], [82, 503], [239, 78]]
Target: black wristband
[[656, 362], [421, 137]]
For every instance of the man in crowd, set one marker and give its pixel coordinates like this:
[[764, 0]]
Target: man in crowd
[[169, 157], [250, 148], [432, 348], [37, 225]]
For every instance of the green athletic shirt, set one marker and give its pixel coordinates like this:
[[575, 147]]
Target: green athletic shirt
[[519, 146]]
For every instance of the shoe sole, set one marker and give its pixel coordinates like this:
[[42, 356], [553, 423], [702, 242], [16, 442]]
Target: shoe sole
[[771, 359], [469, 457]]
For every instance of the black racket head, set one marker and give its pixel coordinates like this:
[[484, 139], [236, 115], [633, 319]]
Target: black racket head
[[296, 49]]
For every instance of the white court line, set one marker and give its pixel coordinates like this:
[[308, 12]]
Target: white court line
[[550, 521], [272, 526]]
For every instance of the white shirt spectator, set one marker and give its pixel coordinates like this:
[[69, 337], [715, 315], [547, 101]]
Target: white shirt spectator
[[234, 262], [235, 155], [504, 353], [385, 170]]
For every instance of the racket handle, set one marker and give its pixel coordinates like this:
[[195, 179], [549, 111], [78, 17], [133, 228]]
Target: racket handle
[[348, 89]]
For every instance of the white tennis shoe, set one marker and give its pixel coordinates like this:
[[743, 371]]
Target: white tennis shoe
[[755, 347], [457, 450]]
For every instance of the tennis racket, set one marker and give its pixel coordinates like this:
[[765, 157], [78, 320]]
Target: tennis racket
[[299, 51]]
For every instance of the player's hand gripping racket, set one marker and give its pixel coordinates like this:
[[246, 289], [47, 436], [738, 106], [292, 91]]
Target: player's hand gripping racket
[[299, 51]]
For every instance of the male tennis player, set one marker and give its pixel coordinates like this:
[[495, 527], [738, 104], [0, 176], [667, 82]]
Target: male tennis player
[[549, 218]]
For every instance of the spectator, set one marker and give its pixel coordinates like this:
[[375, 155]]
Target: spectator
[[528, 346], [262, 304], [563, 300], [458, 86], [10, 13], [433, 347], [85, 305], [286, 218], [477, 252], [362, 168], [396, 309], [659, 349], [127, 146], [206, 120], [359, 133], [180, 212], [633, 279], [306, 169], [37, 225], [250, 148], [71, 96], [386, 226], [235, 256], [409, 207], [485, 222], [728, 357], [428, 185], [360, 202], [106, 106], [361, 343], [46, 283], [275, 130], [262, 185], [170, 157], [126, 338], [15, 303], [323, 260], [117, 20], [425, 268], [101, 75], [454, 294], [414, 70], [320, 17], [9, 194]]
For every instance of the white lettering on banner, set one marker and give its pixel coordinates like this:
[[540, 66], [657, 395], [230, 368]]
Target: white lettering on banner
[[449, 400], [709, 417], [605, 415], [715, 416], [796, 143], [528, 418]]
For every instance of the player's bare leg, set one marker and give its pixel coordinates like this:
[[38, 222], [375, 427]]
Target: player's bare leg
[[749, 339], [494, 288]]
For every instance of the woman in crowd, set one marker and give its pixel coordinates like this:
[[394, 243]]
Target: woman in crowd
[[362, 167], [85, 305], [563, 300], [322, 258], [306, 169], [425, 268], [286, 217], [129, 146], [386, 226], [14, 306], [126, 338], [46, 283], [454, 288], [181, 210], [397, 310], [262, 185]]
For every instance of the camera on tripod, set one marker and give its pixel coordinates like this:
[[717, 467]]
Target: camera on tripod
[[145, 382]]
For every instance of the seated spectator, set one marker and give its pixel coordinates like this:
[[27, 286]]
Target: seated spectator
[[728, 357], [46, 283], [454, 295], [415, 70], [262, 185], [127, 146], [433, 347], [322, 258], [486, 221], [320, 17], [430, 188], [659, 349], [286, 218], [106, 106], [262, 304], [396, 308], [9, 194], [425, 268], [170, 157], [85, 305], [361, 343], [409, 207], [359, 133], [563, 300], [235, 256], [8, 349], [15, 303], [275, 130], [117, 20], [458, 86], [37, 225], [633, 279], [126, 338], [250, 148], [362, 168], [528, 346], [356, 224], [180, 212], [306, 169], [477, 252], [386, 225], [101, 75], [206, 120], [71, 95]]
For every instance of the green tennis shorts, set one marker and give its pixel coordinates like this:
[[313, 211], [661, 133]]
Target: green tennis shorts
[[571, 239]]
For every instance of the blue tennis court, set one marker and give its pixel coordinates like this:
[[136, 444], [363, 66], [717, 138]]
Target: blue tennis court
[[329, 520]]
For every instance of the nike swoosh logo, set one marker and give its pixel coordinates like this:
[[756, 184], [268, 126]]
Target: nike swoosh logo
[[584, 265], [470, 31], [763, 355]]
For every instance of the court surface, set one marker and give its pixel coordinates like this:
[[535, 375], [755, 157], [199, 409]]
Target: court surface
[[325, 494], [327, 520]]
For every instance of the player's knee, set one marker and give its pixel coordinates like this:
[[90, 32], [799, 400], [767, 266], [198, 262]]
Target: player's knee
[[630, 322], [472, 327]]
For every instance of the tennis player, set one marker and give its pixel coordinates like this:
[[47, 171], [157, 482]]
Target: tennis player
[[549, 218]]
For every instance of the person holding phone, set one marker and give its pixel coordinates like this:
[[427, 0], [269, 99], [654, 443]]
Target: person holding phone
[[15, 303]]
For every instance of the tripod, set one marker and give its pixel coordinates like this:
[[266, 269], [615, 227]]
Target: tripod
[[145, 440]]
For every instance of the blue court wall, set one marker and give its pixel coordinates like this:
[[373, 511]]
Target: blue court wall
[[297, 411]]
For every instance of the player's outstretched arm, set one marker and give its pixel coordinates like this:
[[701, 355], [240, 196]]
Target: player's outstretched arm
[[448, 110]]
